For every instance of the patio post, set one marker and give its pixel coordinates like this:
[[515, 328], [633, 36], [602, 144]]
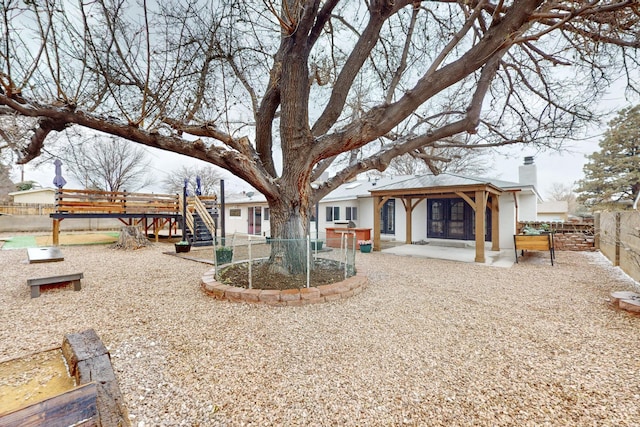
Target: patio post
[[377, 202], [480, 208], [495, 223], [408, 209]]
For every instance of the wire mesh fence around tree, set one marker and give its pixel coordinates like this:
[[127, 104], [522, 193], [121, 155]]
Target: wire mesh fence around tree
[[269, 263]]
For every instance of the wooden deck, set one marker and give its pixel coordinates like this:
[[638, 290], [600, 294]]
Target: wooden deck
[[153, 212]]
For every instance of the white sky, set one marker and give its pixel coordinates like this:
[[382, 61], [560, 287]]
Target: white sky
[[562, 167], [552, 166]]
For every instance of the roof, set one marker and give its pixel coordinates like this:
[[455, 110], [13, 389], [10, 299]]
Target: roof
[[445, 180], [363, 187], [246, 197], [33, 190]]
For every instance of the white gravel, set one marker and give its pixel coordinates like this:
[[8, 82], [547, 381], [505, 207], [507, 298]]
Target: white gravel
[[428, 342]]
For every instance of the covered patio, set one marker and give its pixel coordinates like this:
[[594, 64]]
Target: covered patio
[[478, 196]]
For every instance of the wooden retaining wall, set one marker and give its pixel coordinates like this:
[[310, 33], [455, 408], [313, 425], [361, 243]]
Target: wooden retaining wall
[[618, 237]]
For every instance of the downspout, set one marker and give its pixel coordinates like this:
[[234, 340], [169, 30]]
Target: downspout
[[515, 201]]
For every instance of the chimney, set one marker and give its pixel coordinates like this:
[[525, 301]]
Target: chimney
[[528, 173]]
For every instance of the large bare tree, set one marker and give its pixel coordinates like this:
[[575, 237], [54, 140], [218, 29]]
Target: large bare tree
[[278, 91], [209, 176], [105, 162]]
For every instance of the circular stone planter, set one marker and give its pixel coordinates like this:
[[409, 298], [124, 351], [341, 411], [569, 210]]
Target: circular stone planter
[[288, 297]]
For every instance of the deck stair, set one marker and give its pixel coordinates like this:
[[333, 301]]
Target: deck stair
[[200, 223]]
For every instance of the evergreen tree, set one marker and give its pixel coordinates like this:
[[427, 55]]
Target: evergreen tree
[[612, 175]]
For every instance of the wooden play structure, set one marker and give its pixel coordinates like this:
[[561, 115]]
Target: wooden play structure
[[152, 212]]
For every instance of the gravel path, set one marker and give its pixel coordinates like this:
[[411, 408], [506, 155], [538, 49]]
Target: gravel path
[[429, 342]]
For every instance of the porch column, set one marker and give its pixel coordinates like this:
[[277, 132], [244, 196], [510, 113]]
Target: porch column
[[377, 201], [481, 206], [408, 209], [495, 223]]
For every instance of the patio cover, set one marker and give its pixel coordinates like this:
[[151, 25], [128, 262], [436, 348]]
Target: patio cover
[[477, 193]]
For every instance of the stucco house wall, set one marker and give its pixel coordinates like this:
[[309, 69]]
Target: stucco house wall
[[508, 222], [518, 203]]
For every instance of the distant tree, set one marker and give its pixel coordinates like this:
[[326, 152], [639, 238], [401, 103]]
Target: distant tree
[[209, 179], [612, 175], [435, 161], [6, 185], [562, 192], [26, 185], [106, 163]]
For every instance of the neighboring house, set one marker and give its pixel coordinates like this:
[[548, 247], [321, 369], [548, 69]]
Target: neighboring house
[[440, 207], [557, 211], [41, 196]]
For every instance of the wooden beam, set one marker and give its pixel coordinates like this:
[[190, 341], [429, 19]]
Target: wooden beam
[[409, 204], [56, 232], [89, 361], [408, 210], [69, 408], [467, 199], [495, 223], [481, 205], [377, 204]]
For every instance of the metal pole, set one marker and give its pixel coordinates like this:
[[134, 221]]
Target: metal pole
[[317, 222], [250, 262], [184, 210], [308, 259], [222, 214]]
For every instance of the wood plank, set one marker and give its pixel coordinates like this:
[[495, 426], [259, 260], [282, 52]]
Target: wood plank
[[69, 408], [50, 280], [48, 254]]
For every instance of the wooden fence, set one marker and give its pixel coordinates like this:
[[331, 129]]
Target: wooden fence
[[26, 209], [618, 237]]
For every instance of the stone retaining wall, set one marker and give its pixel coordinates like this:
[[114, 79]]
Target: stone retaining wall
[[573, 242], [289, 297]]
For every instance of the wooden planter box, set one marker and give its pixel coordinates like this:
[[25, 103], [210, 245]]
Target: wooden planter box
[[541, 242], [334, 235]]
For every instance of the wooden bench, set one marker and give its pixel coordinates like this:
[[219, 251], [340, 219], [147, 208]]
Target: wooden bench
[[541, 242], [54, 280]]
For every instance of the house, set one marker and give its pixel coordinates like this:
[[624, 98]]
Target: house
[[553, 211], [41, 196], [412, 208]]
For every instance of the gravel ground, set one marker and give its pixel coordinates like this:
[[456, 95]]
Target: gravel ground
[[429, 342]]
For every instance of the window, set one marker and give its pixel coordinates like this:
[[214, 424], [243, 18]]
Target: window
[[266, 214], [351, 213], [333, 213], [388, 217], [235, 212]]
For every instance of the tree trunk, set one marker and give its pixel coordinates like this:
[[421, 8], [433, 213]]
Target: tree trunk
[[131, 237], [289, 229]]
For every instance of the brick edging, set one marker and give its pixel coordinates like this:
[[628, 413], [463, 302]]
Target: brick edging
[[288, 297]]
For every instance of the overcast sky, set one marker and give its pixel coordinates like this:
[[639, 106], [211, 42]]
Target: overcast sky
[[553, 166], [563, 167]]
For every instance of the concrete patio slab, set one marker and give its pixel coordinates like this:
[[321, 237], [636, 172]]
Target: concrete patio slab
[[504, 258]]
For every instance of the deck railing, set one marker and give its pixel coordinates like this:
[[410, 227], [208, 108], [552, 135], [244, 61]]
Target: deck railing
[[115, 202]]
